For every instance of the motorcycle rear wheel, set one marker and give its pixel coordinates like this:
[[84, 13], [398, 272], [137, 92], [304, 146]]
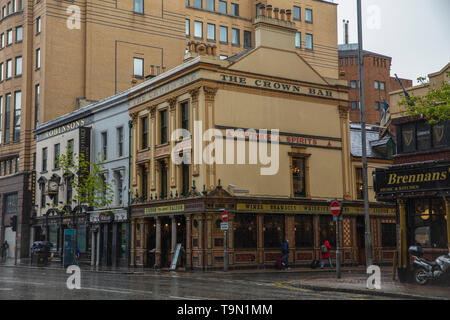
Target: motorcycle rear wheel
[[420, 276]]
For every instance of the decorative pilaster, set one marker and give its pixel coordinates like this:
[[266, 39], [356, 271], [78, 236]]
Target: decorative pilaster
[[447, 210], [260, 239], [152, 146], [188, 242], [172, 126], [158, 242], [133, 242], [403, 254], [345, 134], [194, 102], [174, 236], [210, 170], [134, 147]]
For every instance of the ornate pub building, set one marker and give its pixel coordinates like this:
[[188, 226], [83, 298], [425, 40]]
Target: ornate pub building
[[274, 184]]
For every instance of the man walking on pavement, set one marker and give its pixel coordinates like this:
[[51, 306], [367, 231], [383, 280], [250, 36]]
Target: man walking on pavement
[[4, 250], [286, 253], [325, 249]]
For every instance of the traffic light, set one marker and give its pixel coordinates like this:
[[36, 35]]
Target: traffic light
[[13, 223]]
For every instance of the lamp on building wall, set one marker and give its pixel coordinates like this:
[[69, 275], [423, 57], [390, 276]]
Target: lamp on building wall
[[426, 215]]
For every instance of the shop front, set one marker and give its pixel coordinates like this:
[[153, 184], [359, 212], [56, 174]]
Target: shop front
[[422, 193], [257, 228]]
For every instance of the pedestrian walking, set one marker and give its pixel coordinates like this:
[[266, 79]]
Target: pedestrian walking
[[285, 251], [4, 250], [77, 256], [325, 249]]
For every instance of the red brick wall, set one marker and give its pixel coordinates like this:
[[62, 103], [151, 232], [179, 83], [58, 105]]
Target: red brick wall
[[378, 70]]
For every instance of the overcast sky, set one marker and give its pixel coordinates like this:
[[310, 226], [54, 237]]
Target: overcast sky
[[415, 33]]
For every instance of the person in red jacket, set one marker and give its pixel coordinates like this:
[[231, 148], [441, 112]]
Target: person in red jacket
[[325, 249]]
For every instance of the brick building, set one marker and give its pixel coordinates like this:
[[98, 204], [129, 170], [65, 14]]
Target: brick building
[[377, 80]]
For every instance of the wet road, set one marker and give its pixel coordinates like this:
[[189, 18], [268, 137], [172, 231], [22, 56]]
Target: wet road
[[40, 283]]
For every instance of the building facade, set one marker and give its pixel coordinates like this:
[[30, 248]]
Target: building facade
[[418, 181], [377, 82], [100, 132], [112, 46], [270, 86]]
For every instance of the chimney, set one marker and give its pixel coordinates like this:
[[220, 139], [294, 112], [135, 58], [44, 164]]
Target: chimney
[[346, 31], [275, 30]]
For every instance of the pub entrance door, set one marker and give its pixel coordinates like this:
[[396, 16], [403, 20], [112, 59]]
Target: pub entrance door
[[181, 238], [360, 239], [166, 241], [151, 243]]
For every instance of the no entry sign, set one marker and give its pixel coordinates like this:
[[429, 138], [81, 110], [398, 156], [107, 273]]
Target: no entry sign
[[335, 208], [224, 216]]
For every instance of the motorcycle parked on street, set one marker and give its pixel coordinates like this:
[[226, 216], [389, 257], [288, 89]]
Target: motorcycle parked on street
[[425, 270]]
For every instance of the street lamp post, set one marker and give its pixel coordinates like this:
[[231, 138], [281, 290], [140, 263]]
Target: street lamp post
[[368, 240]]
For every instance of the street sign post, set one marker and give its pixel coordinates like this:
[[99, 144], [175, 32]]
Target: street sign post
[[224, 226], [336, 210]]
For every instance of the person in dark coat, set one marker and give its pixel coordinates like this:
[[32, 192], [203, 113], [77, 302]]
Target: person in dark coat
[[325, 249], [4, 250], [286, 253]]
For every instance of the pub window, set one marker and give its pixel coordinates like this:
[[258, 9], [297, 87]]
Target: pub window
[[187, 3], [163, 168], [298, 39], [210, 5], [138, 67], [247, 39], [198, 29], [308, 15], [2, 72], [69, 190], [297, 13], [53, 237], [377, 105], [408, 137], [377, 85], [119, 187], [163, 119], [104, 145], [309, 41], [10, 166], [103, 178], [359, 184], [17, 164], [81, 238], [353, 84], [439, 134], [11, 204], [223, 34], [327, 229], [222, 7], [7, 117], [143, 182], [351, 63], [211, 32], [429, 223], [2, 42], [298, 177], [144, 135], [245, 231], [44, 159], [56, 156], [304, 231], [273, 230], [42, 187], [423, 136], [185, 116], [235, 37], [346, 61], [185, 179], [235, 9], [188, 27], [388, 235], [383, 86], [139, 6], [17, 110], [3, 11], [9, 8], [120, 141]]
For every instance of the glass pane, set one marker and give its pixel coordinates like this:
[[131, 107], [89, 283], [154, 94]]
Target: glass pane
[[81, 238], [273, 231]]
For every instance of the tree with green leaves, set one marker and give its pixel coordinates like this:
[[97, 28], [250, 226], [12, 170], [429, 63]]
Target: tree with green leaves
[[434, 105], [89, 185]]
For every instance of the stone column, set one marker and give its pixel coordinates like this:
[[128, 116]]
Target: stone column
[[114, 245], [188, 242], [97, 262], [447, 210], [106, 245], [145, 226], [134, 148], [133, 242], [260, 241], [210, 170], [171, 127], [152, 148], [403, 254], [201, 235], [174, 236], [343, 117], [194, 102], [158, 242]]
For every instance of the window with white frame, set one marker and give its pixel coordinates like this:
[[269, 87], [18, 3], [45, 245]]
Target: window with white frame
[[138, 67]]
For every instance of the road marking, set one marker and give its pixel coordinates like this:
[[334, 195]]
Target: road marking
[[24, 282], [107, 290], [5, 289]]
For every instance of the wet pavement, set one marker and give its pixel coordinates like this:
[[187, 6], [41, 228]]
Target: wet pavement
[[49, 283], [21, 283]]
